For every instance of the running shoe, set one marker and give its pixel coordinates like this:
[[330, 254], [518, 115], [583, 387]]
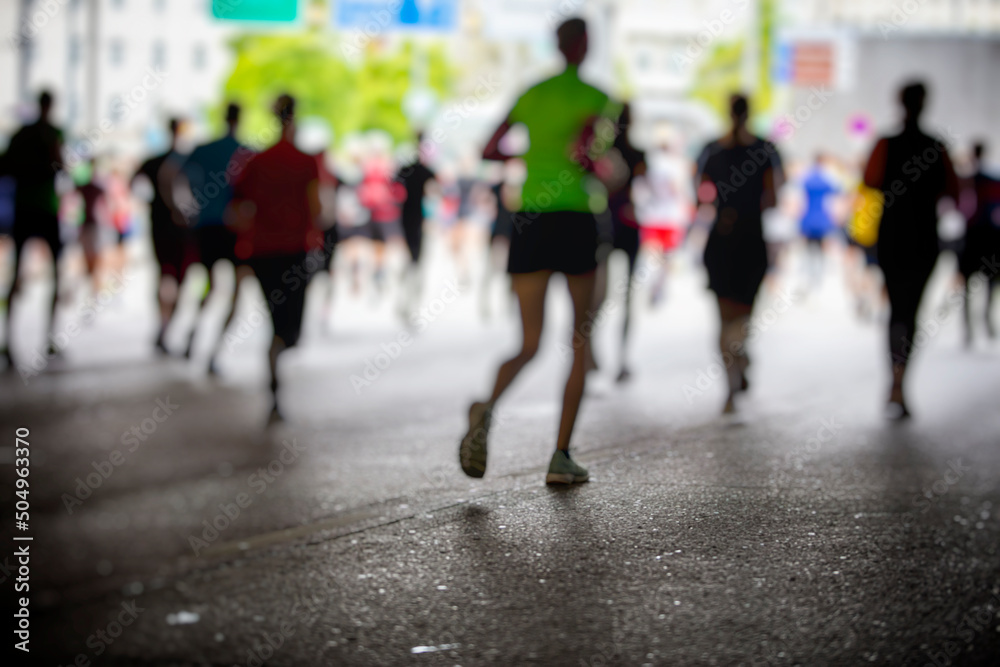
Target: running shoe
[[472, 451], [896, 411], [564, 470]]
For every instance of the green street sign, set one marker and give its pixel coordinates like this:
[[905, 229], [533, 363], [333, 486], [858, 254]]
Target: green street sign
[[255, 10]]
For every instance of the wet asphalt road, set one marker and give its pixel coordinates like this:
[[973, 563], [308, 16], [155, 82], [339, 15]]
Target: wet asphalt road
[[805, 531]]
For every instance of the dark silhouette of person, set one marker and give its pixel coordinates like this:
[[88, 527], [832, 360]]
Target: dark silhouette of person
[[328, 184], [172, 243], [625, 222], [816, 223], [554, 231], [277, 208], [982, 237], [95, 214], [208, 173], [913, 171], [498, 247], [739, 175], [415, 178], [33, 159]]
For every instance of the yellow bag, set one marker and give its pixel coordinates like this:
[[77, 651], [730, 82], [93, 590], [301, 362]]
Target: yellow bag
[[866, 217]]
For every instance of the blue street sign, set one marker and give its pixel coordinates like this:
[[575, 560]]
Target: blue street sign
[[379, 15]]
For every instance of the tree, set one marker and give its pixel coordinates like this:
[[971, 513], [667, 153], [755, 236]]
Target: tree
[[356, 95], [721, 72]]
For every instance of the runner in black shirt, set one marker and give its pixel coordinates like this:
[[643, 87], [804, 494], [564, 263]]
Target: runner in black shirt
[[33, 159]]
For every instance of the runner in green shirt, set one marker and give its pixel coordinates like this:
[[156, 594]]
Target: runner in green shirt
[[554, 230]]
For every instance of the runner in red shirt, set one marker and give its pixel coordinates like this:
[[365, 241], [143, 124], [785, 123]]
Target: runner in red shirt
[[276, 207], [383, 197]]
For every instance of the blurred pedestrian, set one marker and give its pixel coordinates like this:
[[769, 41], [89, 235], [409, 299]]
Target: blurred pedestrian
[[95, 215], [665, 210], [172, 241], [382, 196], [863, 275], [913, 171], [554, 231], [498, 247], [206, 178], [982, 238], [625, 221], [277, 208], [816, 223], [739, 175], [328, 185], [34, 158], [417, 179]]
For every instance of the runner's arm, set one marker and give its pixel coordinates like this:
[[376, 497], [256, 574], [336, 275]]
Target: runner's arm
[[492, 150], [875, 171]]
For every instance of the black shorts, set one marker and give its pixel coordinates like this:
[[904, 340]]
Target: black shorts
[[174, 247], [39, 225], [563, 241], [413, 232], [285, 292], [626, 237], [331, 237], [503, 226], [215, 242], [380, 232]]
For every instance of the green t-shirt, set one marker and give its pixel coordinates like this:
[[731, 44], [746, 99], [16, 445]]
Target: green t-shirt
[[556, 111]]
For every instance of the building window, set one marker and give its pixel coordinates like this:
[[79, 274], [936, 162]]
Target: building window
[[199, 58], [117, 52], [159, 55], [74, 50], [117, 110], [642, 60]]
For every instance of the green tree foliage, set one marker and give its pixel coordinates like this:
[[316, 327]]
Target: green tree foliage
[[720, 73], [356, 95]]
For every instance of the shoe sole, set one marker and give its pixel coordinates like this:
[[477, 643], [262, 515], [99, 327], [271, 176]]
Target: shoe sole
[[468, 442], [565, 478]]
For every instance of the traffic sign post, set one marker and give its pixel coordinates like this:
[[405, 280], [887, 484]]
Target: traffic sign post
[[255, 10], [397, 15]]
